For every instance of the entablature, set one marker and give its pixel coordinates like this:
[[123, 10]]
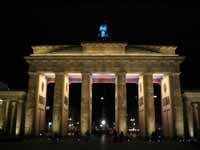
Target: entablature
[[13, 95]]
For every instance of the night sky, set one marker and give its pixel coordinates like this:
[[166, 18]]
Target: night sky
[[136, 22]]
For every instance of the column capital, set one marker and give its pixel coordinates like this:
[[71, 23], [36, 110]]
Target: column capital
[[171, 73], [19, 100], [146, 73], [33, 73], [86, 73], [175, 73], [14, 103], [36, 73], [60, 73], [121, 72], [195, 105], [121, 75], [188, 102]]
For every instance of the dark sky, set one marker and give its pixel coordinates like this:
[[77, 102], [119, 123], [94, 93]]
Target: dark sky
[[136, 22]]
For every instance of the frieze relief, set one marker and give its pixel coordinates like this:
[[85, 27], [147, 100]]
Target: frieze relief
[[141, 101], [104, 65], [165, 101], [42, 100], [66, 100]]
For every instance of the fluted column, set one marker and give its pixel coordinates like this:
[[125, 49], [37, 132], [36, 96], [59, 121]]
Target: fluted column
[[195, 118], [60, 105], [19, 118], [6, 116], [166, 105], [13, 118], [197, 115], [31, 104], [146, 104], [1, 114], [198, 108], [86, 103], [189, 113], [121, 103], [177, 104]]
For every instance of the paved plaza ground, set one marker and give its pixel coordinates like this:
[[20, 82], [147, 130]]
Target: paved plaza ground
[[97, 143]]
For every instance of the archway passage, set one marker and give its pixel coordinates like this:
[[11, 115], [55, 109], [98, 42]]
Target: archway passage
[[158, 106], [74, 108], [49, 106], [103, 106], [132, 107]]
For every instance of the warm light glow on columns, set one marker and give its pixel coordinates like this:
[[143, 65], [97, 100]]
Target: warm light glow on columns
[[35, 105], [121, 103], [166, 102], [41, 104], [65, 108], [196, 112], [195, 118], [60, 105], [32, 100], [1, 114], [19, 118], [198, 109], [189, 113], [177, 104], [6, 115], [146, 104], [13, 118], [86, 103]]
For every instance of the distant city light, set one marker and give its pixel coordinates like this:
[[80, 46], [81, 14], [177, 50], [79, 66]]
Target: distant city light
[[47, 107], [102, 98], [132, 119], [70, 125], [49, 124], [77, 122], [155, 96], [70, 119], [134, 129], [103, 122]]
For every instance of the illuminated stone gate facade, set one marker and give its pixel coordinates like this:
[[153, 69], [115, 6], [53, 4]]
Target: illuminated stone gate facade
[[118, 63], [191, 101], [11, 112]]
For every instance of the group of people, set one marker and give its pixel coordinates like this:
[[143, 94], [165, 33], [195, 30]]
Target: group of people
[[118, 137], [110, 137]]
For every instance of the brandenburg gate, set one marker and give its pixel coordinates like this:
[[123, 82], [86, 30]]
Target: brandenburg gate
[[119, 62]]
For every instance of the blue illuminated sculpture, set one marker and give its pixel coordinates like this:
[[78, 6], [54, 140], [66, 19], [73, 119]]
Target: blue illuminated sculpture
[[103, 31]]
